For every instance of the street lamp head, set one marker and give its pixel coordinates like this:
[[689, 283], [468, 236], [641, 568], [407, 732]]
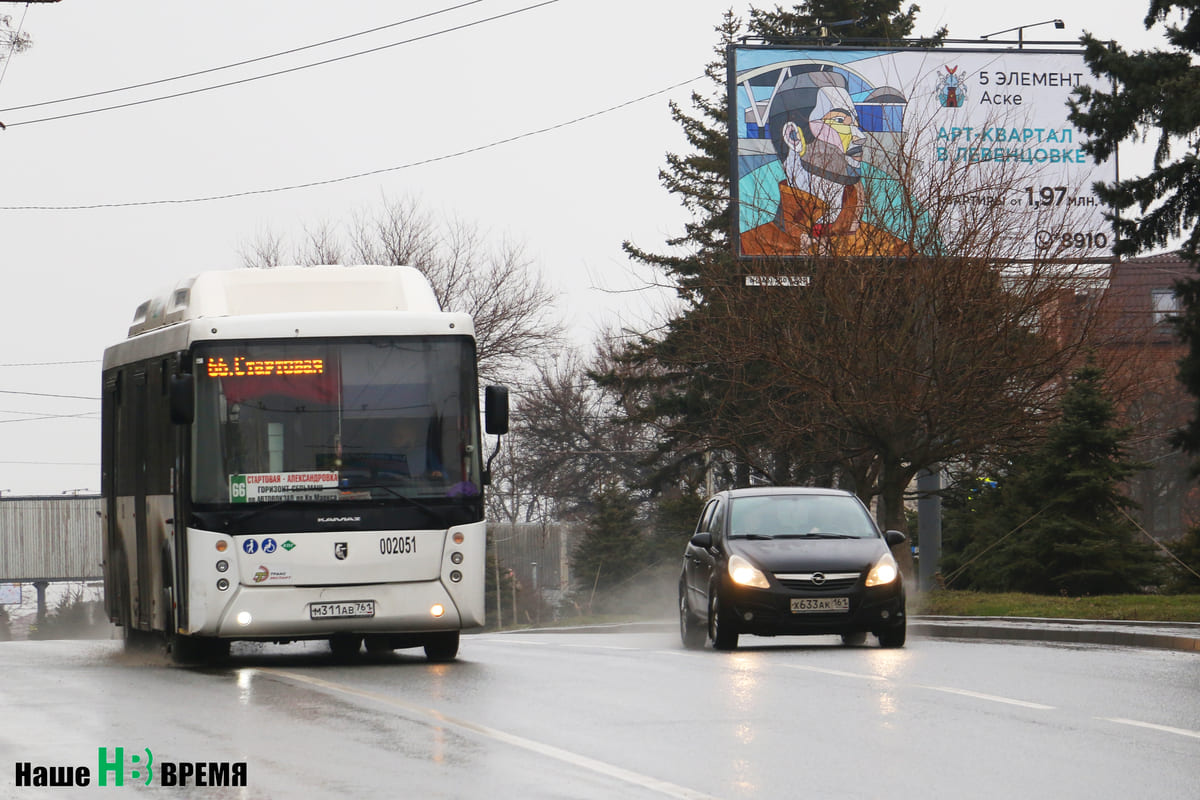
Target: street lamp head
[[1020, 29]]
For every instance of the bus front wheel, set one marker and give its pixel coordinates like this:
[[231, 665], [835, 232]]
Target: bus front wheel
[[442, 646]]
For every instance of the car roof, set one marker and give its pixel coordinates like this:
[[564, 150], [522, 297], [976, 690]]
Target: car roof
[[758, 491]]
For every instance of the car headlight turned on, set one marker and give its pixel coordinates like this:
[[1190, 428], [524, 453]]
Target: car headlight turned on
[[884, 572], [746, 574]]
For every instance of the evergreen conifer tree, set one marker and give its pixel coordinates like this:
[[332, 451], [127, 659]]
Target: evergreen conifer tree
[[1056, 524], [1156, 95]]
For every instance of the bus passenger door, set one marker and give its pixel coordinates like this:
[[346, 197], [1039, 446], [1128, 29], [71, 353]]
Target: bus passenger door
[[143, 595]]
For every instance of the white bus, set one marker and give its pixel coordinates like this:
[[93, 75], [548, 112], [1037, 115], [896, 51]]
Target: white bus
[[295, 453]]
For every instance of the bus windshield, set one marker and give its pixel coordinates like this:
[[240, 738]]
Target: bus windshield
[[335, 420]]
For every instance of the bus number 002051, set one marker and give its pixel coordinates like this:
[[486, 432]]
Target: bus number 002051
[[397, 545]]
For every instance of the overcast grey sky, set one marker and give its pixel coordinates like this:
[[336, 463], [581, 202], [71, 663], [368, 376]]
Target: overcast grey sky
[[72, 277]]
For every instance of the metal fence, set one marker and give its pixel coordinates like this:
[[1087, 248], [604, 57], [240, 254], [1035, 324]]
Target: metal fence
[[538, 555], [50, 538]]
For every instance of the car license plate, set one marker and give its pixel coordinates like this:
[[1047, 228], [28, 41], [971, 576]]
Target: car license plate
[[352, 608], [816, 605]]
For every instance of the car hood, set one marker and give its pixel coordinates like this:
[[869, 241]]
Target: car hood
[[811, 555]]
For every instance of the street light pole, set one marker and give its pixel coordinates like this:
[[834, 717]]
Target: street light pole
[[1020, 29]]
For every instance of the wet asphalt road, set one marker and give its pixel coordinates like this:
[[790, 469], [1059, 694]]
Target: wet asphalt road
[[629, 715]]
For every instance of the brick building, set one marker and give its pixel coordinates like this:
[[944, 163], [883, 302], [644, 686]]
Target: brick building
[[1140, 350]]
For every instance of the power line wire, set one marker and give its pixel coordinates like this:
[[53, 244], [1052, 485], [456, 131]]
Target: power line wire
[[240, 63], [43, 394], [277, 73], [50, 363], [91, 415], [328, 181]]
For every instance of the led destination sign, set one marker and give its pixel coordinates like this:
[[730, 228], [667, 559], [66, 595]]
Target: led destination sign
[[242, 367]]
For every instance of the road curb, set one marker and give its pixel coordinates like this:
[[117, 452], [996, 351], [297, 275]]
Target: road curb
[[1156, 635]]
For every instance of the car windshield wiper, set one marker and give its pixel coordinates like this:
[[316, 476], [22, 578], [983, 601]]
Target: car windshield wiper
[[761, 537], [818, 535]]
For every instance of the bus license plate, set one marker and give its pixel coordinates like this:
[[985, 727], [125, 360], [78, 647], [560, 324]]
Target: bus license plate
[[816, 605], [353, 608]]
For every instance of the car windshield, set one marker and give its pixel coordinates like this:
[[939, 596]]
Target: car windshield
[[799, 516]]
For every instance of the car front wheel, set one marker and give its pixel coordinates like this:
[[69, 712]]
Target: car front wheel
[[894, 636], [720, 629]]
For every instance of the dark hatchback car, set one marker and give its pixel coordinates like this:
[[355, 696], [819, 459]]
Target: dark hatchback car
[[790, 561]]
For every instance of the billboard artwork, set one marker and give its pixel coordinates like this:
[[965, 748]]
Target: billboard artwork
[[886, 153]]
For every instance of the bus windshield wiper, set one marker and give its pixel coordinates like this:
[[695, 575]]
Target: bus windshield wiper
[[412, 501], [258, 509]]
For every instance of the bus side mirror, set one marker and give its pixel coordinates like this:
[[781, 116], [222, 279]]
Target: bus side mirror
[[182, 399], [495, 409]]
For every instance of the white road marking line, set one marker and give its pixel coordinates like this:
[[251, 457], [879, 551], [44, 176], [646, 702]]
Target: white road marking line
[[992, 698], [566, 756], [839, 673], [600, 647], [989, 697], [1153, 727]]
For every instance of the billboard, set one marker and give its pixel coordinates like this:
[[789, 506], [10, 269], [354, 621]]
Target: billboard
[[894, 152]]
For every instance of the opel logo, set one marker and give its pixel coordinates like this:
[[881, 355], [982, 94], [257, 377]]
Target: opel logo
[[818, 578]]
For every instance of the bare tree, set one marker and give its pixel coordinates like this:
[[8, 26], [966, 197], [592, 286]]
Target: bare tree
[[570, 440], [264, 252], [496, 283], [321, 245], [12, 41], [822, 364]]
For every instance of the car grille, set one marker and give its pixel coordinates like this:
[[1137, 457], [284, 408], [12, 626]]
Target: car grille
[[818, 581]]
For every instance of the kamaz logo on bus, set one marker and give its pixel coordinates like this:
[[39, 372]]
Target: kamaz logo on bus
[[341, 550], [337, 520]]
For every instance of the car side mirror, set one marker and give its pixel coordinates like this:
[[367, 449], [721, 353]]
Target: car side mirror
[[702, 540], [894, 538]]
